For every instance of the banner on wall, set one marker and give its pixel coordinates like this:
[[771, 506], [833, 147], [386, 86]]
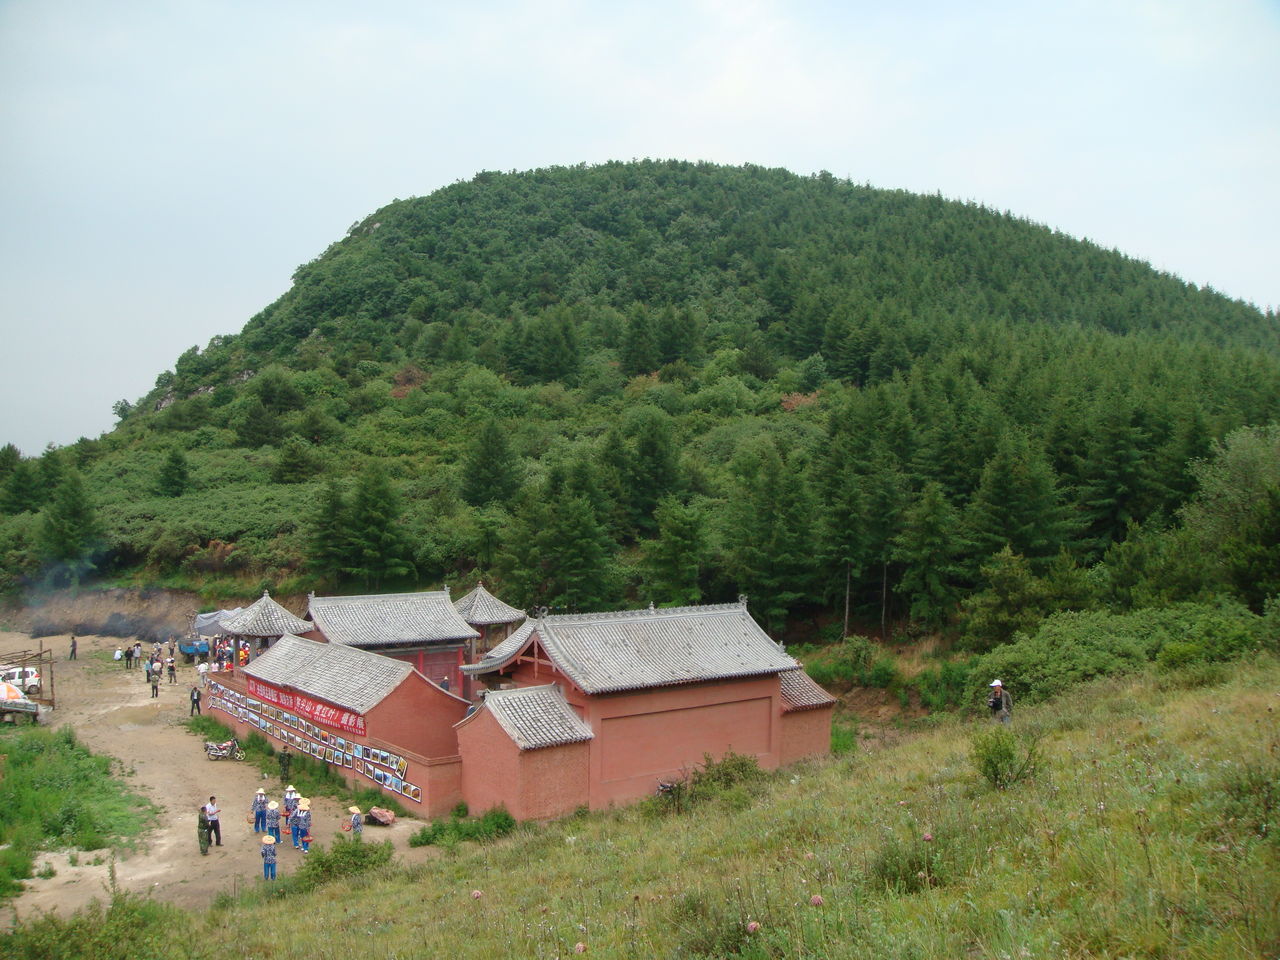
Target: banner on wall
[[317, 711], [297, 726]]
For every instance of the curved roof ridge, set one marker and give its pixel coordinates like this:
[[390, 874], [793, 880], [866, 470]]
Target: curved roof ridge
[[650, 611]]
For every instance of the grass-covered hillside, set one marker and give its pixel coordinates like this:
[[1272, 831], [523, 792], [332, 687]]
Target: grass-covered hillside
[[1143, 825], [673, 382]]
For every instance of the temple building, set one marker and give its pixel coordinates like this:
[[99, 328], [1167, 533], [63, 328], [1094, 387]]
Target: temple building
[[423, 629]]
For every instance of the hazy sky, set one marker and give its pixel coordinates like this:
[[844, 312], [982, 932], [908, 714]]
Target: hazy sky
[[164, 166]]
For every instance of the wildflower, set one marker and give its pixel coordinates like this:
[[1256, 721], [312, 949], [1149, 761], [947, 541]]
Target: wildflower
[[816, 900], [476, 894], [579, 947], [928, 838], [902, 803], [810, 855], [753, 926]]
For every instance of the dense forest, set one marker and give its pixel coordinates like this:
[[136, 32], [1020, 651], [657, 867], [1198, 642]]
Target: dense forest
[[673, 382]]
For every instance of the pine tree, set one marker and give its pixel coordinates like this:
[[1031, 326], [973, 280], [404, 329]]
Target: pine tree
[[1013, 600], [673, 562], [257, 427], [1017, 504], [174, 477], [490, 472], [651, 470], [768, 539], [296, 462], [327, 536], [69, 530], [21, 491], [376, 546], [639, 345], [929, 549]]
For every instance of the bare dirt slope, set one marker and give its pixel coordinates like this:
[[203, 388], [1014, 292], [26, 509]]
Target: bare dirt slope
[[112, 712]]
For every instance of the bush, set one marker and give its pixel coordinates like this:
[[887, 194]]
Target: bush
[[883, 674], [345, 859], [494, 824], [1004, 757]]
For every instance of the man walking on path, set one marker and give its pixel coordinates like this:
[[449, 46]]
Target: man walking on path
[[1000, 703], [128, 658], [154, 673], [268, 857], [202, 668], [195, 701], [73, 646], [173, 669], [211, 812]]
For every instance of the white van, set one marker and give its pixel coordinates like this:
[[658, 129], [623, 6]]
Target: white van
[[26, 679]]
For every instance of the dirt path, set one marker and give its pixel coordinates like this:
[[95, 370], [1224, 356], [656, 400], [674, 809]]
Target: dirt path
[[112, 712]]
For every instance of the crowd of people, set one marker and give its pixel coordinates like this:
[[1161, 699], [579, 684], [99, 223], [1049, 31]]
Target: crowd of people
[[273, 821]]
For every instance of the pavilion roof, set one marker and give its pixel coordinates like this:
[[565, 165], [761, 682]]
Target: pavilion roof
[[481, 608], [390, 619], [264, 618]]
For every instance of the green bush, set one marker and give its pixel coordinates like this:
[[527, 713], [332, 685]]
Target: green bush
[[1004, 757], [494, 824], [883, 674], [343, 860], [1177, 654], [1071, 648], [945, 686]]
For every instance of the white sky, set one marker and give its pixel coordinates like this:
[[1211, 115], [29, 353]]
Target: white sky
[[165, 165]]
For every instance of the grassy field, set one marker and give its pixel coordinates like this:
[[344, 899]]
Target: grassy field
[[1147, 828], [54, 793]]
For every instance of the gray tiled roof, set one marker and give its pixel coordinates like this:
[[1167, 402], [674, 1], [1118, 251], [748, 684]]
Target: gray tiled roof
[[502, 654], [608, 652], [481, 608], [354, 679], [264, 618], [390, 619], [536, 717], [800, 692]]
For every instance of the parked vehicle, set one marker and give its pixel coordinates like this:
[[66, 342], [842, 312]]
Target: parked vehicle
[[193, 647], [217, 751], [26, 679]]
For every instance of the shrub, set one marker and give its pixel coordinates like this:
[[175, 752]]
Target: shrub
[[1004, 757], [883, 674], [345, 859], [494, 824]]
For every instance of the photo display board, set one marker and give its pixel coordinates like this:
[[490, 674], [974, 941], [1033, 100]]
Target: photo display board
[[299, 721]]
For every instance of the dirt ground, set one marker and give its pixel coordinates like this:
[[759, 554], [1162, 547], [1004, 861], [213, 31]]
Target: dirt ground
[[112, 712]]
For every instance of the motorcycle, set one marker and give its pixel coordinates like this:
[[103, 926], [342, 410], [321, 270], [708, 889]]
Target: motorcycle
[[216, 751]]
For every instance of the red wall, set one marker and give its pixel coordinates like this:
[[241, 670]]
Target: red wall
[[806, 733], [531, 784]]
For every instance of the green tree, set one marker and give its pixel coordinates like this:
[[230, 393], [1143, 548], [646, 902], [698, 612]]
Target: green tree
[[326, 544], [21, 491], [296, 462], [174, 477], [651, 470], [639, 345], [929, 549], [1252, 556], [256, 426], [768, 537], [69, 530], [1011, 601], [490, 471], [376, 546], [673, 562]]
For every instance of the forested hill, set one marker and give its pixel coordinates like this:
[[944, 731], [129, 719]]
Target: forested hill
[[668, 381]]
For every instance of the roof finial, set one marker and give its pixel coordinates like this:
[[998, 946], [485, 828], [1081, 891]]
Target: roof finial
[[651, 607], [266, 593], [742, 599]]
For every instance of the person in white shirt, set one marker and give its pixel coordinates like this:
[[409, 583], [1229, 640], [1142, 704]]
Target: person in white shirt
[[211, 811]]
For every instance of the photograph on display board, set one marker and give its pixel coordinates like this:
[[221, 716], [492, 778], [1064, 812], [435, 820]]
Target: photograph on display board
[[413, 793], [379, 776], [328, 754], [347, 759], [317, 751], [402, 766], [396, 784]]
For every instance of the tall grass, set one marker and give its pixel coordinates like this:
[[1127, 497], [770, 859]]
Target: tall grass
[[55, 793]]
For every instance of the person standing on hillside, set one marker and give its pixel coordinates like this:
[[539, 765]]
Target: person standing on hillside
[[202, 668], [73, 647], [128, 658], [357, 823], [155, 681], [999, 703], [302, 824], [173, 669], [286, 761], [202, 831], [268, 857], [273, 818], [211, 811], [259, 810]]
